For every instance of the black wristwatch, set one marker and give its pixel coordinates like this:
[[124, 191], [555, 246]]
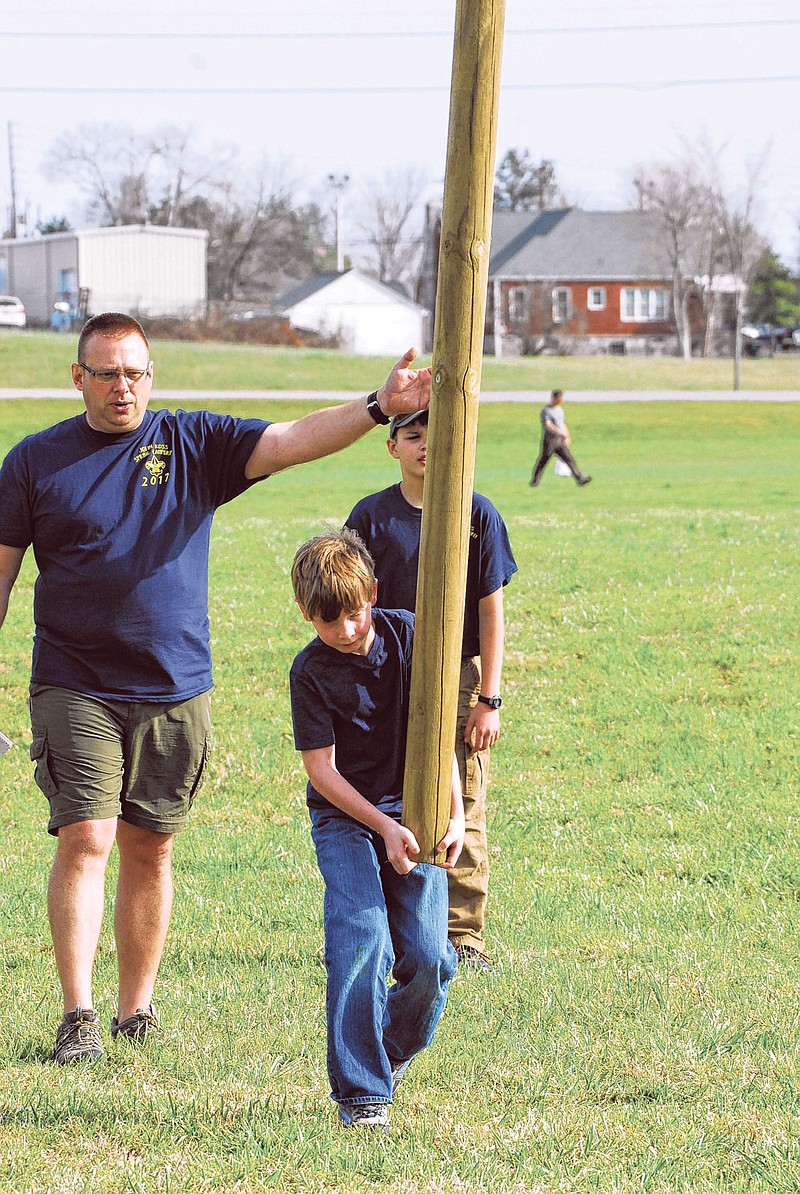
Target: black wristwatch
[[374, 408], [492, 702]]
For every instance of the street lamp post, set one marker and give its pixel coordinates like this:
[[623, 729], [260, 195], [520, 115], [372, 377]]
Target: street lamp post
[[339, 182]]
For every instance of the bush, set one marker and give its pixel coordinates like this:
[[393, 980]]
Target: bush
[[226, 329]]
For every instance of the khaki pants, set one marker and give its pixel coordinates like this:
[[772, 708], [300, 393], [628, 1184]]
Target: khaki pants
[[469, 879]]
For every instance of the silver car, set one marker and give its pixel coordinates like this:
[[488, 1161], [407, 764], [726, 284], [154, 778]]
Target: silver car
[[12, 312]]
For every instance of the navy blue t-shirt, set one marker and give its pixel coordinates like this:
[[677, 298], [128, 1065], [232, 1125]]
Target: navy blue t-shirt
[[390, 527], [359, 705], [120, 528]]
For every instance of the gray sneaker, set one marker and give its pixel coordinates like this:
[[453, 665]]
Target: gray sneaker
[[138, 1026], [365, 1115], [78, 1037]]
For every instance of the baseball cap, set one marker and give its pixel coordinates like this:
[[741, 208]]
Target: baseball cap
[[413, 416]]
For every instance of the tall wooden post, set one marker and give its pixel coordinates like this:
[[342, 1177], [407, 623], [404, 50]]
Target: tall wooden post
[[452, 429]]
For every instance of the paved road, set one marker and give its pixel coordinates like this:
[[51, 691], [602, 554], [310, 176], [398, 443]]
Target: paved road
[[538, 397]]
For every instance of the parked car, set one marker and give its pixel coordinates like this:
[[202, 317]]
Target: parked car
[[12, 312], [758, 338]]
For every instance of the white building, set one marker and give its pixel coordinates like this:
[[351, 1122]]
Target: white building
[[141, 269], [365, 316]]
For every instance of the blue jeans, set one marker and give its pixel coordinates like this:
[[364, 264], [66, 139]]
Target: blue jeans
[[377, 921]]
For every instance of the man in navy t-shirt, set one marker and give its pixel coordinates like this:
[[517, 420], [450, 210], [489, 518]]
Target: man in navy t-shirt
[[117, 505]]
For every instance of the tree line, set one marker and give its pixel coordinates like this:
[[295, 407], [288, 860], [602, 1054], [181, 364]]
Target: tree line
[[263, 239]]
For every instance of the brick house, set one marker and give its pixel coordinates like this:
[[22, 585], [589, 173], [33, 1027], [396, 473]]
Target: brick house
[[572, 280]]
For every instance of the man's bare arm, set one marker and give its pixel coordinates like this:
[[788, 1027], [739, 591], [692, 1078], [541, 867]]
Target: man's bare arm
[[10, 564], [327, 431]]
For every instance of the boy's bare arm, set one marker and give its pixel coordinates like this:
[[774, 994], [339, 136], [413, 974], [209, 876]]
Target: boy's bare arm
[[401, 845], [453, 841], [483, 725]]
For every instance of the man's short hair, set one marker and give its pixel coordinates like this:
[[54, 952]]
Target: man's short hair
[[556, 394], [333, 574], [112, 324]]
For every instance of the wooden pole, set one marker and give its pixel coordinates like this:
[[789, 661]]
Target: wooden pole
[[453, 423]]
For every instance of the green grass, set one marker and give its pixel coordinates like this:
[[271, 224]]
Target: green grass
[[36, 359], [641, 1030]]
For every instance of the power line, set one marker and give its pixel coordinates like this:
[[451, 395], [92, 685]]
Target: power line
[[402, 89], [360, 34]]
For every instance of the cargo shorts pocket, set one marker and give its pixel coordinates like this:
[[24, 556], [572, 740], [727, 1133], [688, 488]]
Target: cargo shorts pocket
[[201, 771], [40, 757]]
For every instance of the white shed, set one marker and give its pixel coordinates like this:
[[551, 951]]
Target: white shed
[[365, 316], [141, 269]]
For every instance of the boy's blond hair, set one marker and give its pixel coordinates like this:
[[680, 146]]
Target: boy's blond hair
[[333, 574]]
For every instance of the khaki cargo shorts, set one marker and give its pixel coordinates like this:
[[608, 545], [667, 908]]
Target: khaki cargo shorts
[[95, 759]]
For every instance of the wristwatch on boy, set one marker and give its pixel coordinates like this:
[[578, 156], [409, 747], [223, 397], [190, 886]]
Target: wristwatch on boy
[[374, 408], [493, 702]]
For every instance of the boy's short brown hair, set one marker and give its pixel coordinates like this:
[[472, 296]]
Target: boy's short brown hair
[[333, 574]]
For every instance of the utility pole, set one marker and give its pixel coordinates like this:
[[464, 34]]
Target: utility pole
[[13, 180], [339, 182], [453, 422]]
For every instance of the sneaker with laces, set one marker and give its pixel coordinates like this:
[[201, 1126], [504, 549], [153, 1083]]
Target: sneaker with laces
[[138, 1026], [472, 958], [365, 1115], [78, 1037]]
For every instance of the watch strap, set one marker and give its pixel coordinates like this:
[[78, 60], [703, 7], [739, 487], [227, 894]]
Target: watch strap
[[374, 408]]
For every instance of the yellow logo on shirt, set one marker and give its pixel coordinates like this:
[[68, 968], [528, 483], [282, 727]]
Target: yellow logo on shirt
[[152, 455]]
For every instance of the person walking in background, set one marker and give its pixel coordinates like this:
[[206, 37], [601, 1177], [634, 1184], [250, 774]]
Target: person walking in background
[[117, 503], [556, 440]]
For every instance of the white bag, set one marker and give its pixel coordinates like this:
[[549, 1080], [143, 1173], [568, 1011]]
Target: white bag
[[562, 469]]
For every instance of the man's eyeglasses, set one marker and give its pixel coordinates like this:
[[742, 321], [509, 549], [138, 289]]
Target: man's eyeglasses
[[109, 376]]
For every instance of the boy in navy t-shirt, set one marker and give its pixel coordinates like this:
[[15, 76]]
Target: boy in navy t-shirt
[[390, 522], [383, 911]]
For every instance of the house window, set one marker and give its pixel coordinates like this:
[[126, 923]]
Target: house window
[[643, 304], [596, 298], [519, 304], [562, 304]]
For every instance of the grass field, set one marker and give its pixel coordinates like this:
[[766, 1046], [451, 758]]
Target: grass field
[[36, 359], [641, 1030]]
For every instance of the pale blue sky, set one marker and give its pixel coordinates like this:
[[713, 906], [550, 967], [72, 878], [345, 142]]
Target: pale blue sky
[[357, 86]]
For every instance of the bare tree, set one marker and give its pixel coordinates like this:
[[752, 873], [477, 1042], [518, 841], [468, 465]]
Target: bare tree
[[393, 253], [742, 245], [110, 164], [680, 196], [137, 178], [182, 172], [260, 240]]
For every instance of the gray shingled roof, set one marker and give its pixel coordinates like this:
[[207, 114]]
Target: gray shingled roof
[[574, 245], [305, 289]]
